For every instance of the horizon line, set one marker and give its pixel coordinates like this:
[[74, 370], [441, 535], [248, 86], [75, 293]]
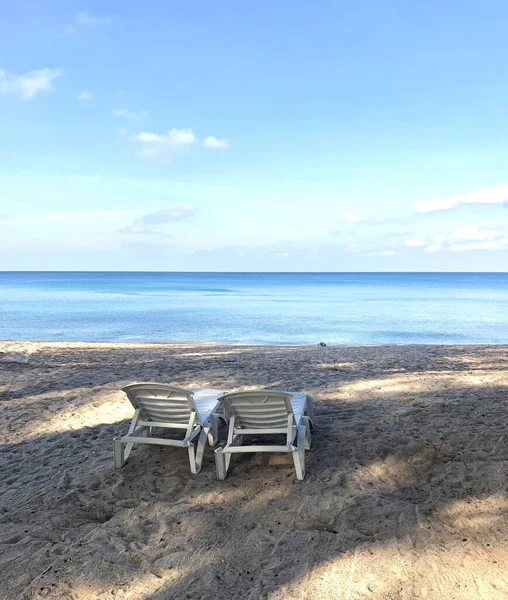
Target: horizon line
[[255, 272]]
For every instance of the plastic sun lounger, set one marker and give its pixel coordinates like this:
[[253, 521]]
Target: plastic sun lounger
[[267, 413], [170, 407]]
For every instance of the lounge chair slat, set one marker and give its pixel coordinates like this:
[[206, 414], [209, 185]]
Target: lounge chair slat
[[162, 406], [245, 424], [269, 411], [168, 411], [260, 419], [170, 400]]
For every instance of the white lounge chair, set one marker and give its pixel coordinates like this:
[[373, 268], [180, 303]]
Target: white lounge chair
[[171, 407], [266, 413]]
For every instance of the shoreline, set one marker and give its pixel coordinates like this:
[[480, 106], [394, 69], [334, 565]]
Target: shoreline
[[405, 497], [43, 342]]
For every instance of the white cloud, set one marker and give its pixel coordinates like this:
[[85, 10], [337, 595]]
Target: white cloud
[[213, 142], [29, 84], [415, 243], [175, 137], [433, 248], [85, 96], [495, 195], [128, 114], [163, 145], [352, 219], [85, 18]]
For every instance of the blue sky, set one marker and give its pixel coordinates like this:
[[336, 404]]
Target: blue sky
[[277, 136]]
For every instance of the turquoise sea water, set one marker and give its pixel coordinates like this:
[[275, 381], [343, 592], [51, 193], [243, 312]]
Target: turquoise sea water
[[264, 308]]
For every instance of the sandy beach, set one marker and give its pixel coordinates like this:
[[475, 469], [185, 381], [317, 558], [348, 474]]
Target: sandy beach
[[405, 495]]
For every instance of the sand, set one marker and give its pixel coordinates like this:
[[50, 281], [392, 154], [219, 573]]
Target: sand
[[405, 495]]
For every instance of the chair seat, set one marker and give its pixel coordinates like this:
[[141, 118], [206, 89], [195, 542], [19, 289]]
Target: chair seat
[[206, 401]]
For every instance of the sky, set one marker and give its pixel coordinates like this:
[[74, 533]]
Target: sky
[[266, 136]]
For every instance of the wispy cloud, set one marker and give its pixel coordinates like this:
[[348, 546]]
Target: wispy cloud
[[382, 253], [124, 113], [213, 142], [373, 220], [77, 216], [160, 217], [163, 145], [29, 84], [151, 246], [152, 224], [85, 18], [85, 96], [133, 229], [86, 213], [495, 195], [469, 237], [496, 245]]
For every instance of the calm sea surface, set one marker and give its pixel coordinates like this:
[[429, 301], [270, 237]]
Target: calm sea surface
[[267, 308]]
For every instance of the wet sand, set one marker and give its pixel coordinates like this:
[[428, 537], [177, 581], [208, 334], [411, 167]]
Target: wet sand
[[405, 495]]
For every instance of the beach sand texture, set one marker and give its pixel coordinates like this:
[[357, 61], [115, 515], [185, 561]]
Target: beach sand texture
[[405, 495]]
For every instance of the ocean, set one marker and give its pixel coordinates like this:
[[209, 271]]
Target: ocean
[[258, 308]]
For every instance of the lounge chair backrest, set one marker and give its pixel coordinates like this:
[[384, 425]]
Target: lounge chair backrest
[[260, 409], [163, 403]]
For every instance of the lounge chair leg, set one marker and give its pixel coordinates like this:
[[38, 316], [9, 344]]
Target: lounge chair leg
[[308, 437], [201, 448], [213, 435], [119, 453], [122, 451], [299, 454], [192, 458], [310, 409], [221, 463], [128, 448]]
